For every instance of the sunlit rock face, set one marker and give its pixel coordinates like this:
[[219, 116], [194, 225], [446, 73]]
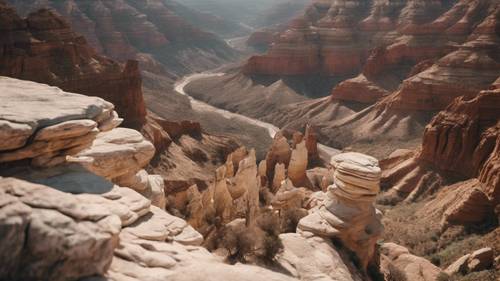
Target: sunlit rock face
[[382, 42], [43, 48], [459, 144], [346, 211], [77, 202]]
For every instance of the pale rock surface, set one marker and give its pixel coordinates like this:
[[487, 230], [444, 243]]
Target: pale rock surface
[[298, 164], [480, 259], [51, 235], [458, 266], [288, 196], [246, 177], [24, 111], [415, 268], [116, 153], [346, 210], [313, 258], [279, 176], [279, 152]]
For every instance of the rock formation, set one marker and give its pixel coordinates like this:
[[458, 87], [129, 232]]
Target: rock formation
[[43, 48], [148, 31], [64, 222], [346, 211], [387, 68], [460, 142], [413, 267]]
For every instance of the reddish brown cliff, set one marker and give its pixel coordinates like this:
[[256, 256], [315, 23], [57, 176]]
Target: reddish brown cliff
[[458, 139], [460, 146], [43, 48], [139, 29], [384, 41]]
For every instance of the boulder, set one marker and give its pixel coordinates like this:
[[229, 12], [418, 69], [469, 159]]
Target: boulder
[[313, 258], [52, 235], [346, 211], [480, 260], [116, 153], [414, 267]]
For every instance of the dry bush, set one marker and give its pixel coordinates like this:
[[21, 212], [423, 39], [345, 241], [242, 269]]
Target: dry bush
[[239, 241], [259, 243], [269, 224]]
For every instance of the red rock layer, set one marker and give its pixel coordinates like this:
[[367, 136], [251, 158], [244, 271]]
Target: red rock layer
[[474, 66], [456, 140], [43, 48], [384, 40], [128, 29], [461, 142]]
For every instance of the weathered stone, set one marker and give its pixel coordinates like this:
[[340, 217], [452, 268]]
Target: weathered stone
[[480, 260], [347, 211], [313, 258], [116, 153], [459, 266], [298, 165], [65, 130], [414, 267], [53, 235]]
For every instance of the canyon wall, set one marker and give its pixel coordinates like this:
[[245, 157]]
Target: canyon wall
[[148, 31], [43, 48]]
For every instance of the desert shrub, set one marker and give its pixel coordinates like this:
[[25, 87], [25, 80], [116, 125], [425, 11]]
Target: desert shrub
[[395, 274], [290, 219], [239, 242], [269, 224], [259, 243], [442, 277], [435, 260]]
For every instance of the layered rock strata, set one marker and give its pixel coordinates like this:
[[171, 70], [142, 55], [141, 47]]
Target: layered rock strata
[[346, 211], [460, 147], [162, 35], [43, 48], [65, 222]]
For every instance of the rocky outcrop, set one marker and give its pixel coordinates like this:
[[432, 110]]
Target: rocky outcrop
[[411, 266], [62, 128], [66, 222], [314, 258], [464, 72], [459, 151], [476, 261], [346, 210], [43, 48], [457, 139], [51, 235], [45, 135], [336, 37]]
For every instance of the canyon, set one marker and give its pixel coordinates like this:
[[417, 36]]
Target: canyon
[[227, 140]]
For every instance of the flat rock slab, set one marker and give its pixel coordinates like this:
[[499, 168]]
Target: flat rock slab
[[28, 106], [116, 153]]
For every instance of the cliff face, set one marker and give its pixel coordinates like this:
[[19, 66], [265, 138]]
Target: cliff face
[[459, 147], [43, 48], [136, 29], [382, 41], [461, 138]]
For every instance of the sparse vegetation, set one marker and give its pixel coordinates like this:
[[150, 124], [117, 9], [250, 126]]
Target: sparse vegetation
[[259, 243]]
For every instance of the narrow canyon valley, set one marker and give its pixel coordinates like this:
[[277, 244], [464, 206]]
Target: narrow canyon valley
[[281, 140]]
